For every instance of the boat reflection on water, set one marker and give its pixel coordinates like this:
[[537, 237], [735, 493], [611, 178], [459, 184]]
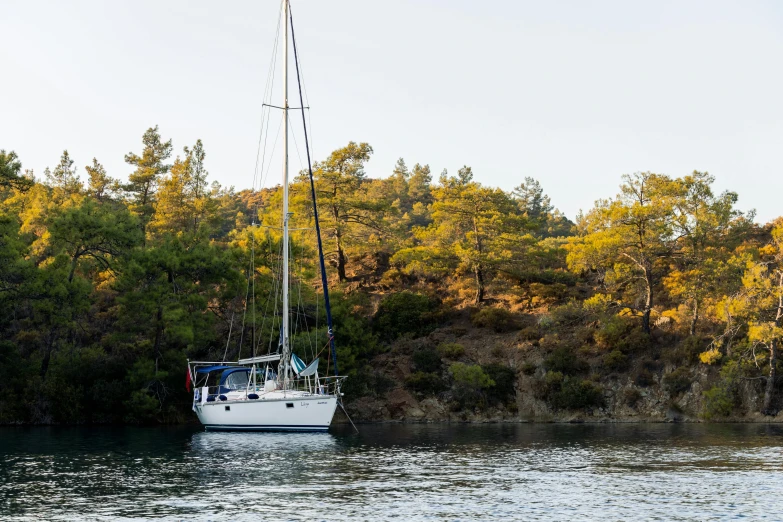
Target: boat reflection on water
[[249, 445]]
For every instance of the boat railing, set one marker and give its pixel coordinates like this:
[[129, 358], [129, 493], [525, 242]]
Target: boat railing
[[321, 386]]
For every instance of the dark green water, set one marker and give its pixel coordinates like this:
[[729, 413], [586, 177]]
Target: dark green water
[[394, 472]]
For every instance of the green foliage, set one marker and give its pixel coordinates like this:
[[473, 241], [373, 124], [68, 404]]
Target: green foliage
[[451, 350], [686, 352], [425, 383], [404, 313], [499, 319], [471, 375], [564, 360], [569, 392], [576, 394], [678, 381], [427, 360], [10, 170], [528, 368], [504, 378], [105, 290], [632, 396], [568, 315], [470, 385], [719, 401], [644, 378], [367, 381], [615, 360], [356, 342]]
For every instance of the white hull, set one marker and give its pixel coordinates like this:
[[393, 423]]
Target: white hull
[[292, 412]]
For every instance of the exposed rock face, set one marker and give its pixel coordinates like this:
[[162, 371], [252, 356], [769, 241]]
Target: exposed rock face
[[624, 398]]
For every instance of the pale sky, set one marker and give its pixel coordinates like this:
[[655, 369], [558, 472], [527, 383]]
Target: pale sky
[[573, 93]]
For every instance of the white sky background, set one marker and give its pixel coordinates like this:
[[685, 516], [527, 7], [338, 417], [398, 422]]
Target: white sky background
[[572, 93]]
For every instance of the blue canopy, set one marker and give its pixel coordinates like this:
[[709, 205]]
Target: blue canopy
[[233, 369], [208, 369]]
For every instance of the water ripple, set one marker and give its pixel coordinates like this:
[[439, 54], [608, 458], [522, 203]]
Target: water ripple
[[393, 472]]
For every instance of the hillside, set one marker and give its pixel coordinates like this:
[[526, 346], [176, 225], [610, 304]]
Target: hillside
[[452, 300]]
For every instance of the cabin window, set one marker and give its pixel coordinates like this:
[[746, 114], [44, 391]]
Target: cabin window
[[289, 404], [228, 408], [236, 380]]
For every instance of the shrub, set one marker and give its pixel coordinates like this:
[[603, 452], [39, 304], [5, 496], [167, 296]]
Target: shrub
[[635, 341], [632, 396], [611, 332], [505, 380], [644, 378], [530, 333], [568, 314], [564, 360], [551, 292], [451, 350], [678, 381], [546, 277], [425, 383], [405, 313], [499, 319], [471, 382], [719, 401], [528, 368], [687, 352], [615, 360], [577, 394], [545, 388], [427, 360], [471, 375], [710, 356], [367, 382], [599, 304]]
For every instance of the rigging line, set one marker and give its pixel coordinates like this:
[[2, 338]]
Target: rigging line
[[268, 298], [346, 414], [298, 154], [301, 315], [274, 145], [267, 93], [244, 313], [272, 290], [230, 327], [324, 281], [253, 257]]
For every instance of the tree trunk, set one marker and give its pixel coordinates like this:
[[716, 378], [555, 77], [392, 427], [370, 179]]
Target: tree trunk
[[769, 392], [648, 303], [478, 269], [479, 284], [48, 354], [158, 335], [74, 261], [695, 317], [340, 258], [339, 239]]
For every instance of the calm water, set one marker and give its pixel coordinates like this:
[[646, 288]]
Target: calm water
[[496, 472]]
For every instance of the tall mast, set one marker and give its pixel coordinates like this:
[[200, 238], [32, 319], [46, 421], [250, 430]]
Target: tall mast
[[286, 216]]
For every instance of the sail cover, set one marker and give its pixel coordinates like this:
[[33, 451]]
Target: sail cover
[[297, 364], [310, 370]]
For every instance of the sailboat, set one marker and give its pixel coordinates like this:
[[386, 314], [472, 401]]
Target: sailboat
[[276, 391]]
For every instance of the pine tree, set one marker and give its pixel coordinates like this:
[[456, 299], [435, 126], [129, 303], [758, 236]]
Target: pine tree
[[143, 181], [63, 180], [100, 185]]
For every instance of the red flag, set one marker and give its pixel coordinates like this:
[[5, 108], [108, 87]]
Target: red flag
[[188, 381]]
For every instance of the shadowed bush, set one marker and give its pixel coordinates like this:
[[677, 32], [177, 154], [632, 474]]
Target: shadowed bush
[[405, 313], [499, 319]]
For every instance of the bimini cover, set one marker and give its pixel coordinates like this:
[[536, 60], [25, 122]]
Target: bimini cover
[[233, 369], [207, 369], [310, 370], [297, 364]]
